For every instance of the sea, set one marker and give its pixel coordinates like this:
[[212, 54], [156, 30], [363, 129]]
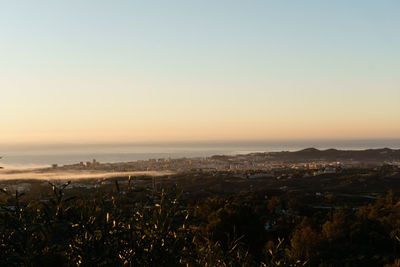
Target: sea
[[15, 156]]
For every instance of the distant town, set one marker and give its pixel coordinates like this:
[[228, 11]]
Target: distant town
[[311, 162]]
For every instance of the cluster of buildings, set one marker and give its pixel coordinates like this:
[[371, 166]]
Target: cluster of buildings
[[259, 162]]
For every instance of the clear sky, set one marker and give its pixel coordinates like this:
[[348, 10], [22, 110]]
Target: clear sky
[[129, 71]]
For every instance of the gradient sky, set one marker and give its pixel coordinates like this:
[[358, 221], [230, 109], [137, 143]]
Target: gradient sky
[[123, 71]]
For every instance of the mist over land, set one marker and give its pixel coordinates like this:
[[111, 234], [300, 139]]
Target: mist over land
[[34, 174], [244, 162]]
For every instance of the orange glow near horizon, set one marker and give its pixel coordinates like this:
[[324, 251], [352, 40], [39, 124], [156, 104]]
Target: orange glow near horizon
[[206, 72]]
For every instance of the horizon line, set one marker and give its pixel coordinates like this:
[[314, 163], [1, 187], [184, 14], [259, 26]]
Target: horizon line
[[198, 141]]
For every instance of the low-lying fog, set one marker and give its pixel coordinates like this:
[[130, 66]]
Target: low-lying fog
[[71, 175]]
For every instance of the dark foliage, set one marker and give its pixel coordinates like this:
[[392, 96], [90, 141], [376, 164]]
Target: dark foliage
[[139, 227]]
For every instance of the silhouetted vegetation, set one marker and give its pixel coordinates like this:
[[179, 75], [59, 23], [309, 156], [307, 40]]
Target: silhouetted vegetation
[[135, 226]]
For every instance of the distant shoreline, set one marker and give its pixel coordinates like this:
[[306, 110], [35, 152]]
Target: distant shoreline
[[41, 156], [159, 167]]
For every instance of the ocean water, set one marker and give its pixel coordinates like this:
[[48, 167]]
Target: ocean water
[[43, 155]]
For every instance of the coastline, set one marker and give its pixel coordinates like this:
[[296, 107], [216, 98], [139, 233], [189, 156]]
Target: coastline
[[329, 160], [42, 155]]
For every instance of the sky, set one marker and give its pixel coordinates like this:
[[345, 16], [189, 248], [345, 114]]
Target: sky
[[140, 71]]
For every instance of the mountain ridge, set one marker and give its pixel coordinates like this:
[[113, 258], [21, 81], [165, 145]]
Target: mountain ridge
[[379, 155]]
